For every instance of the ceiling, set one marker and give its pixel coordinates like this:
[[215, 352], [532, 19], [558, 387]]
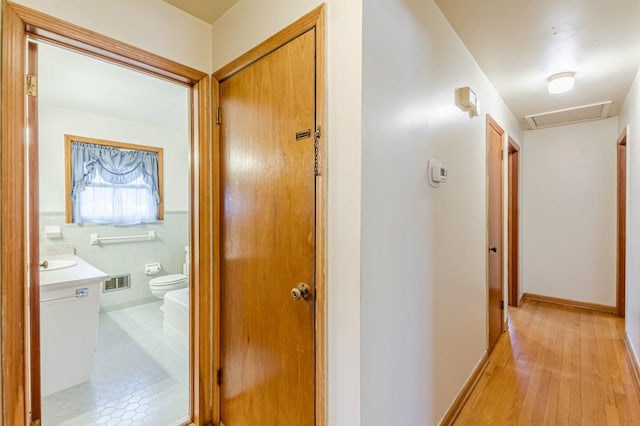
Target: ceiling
[[520, 43], [73, 81], [205, 10], [517, 43]]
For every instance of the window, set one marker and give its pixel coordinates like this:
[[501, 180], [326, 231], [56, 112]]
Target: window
[[112, 182]]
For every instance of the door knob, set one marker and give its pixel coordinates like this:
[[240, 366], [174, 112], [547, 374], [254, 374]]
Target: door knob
[[493, 249], [301, 292]]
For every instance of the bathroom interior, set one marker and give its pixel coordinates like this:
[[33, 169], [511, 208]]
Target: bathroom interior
[[114, 308]]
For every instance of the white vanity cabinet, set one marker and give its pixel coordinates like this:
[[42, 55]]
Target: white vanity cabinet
[[69, 307]]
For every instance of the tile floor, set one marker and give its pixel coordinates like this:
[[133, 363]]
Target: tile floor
[[141, 376]]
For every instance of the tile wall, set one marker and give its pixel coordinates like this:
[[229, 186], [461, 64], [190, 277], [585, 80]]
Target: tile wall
[[117, 258]]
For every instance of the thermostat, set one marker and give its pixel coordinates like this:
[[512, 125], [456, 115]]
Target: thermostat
[[437, 173]]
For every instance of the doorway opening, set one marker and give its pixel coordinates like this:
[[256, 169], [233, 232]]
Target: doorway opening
[[20, 243], [114, 347]]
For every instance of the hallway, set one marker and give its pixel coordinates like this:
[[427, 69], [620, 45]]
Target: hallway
[[555, 366]]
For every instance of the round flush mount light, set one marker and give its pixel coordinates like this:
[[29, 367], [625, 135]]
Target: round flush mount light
[[561, 82]]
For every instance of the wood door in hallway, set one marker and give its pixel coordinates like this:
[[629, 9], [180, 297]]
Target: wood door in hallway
[[268, 239], [621, 224], [513, 226], [495, 231]]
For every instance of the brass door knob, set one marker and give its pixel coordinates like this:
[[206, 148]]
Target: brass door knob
[[301, 292]]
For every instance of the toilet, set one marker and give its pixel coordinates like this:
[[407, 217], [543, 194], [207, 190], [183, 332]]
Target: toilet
[[161, 285]]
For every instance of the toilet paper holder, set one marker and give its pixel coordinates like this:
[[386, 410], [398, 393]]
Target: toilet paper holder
[[52, 232], [152, 268]]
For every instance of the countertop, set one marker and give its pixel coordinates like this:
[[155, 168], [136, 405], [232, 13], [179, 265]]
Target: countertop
[[82, 273]]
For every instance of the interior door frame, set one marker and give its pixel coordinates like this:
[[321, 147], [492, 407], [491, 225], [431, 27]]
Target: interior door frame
[[621, 223], [18, 23], [491, 123], [513, 225], [33, 222], [312, 20]]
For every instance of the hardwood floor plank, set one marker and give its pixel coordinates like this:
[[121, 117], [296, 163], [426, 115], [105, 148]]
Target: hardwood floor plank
[[556, 365]]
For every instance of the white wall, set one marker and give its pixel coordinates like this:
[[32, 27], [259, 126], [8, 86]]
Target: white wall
[[152, 25], [630, 115], [247, 24], [424, 250], [569, 212]]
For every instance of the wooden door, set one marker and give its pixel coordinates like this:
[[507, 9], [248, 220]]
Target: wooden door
[[513, 222], [268, 239], [495, 254], [622, 222]]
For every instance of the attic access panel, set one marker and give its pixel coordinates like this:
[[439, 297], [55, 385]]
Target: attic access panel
[[597, 111]]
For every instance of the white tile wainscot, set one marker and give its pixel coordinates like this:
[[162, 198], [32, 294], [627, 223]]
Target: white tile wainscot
[[126, 257]]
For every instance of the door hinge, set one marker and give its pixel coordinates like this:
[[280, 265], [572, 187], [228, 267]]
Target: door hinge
[[502, 154], [35, 423], [31, 85], [218, 115], [219, 376], [316, 160], [502, 305]]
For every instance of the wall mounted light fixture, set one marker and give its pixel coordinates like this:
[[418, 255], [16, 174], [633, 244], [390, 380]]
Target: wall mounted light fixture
[[467, 100]]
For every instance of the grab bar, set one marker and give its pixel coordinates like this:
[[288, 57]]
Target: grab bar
[[80, 293], [96, 239]]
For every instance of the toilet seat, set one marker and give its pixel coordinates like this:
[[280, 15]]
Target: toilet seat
[[161, 285], [167, 280]]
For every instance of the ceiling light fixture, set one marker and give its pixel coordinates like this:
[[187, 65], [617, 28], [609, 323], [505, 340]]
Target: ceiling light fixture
[[561, 82]]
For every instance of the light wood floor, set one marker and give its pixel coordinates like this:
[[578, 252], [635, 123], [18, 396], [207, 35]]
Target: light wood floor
[[556, 366]]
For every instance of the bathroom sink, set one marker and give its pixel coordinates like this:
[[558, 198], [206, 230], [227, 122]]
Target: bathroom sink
[[54, 264], [67, 270]]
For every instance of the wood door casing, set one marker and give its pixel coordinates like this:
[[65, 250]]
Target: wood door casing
[[513, 222], [33, 219], [268, 239], [495, 230], [621, 226]]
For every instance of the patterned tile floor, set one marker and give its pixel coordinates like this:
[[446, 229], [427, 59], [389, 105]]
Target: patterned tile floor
[[141, 376]]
